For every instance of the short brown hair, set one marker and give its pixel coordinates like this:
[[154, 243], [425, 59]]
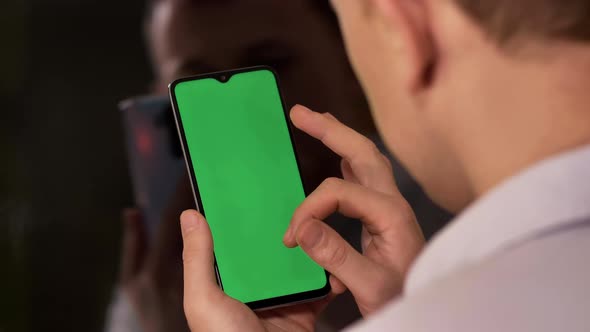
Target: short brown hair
[[505, 20]]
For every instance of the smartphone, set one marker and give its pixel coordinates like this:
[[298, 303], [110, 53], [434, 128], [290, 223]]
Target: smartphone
[[238, 147], [154, 154]]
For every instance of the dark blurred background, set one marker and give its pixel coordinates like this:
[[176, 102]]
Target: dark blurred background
[[64, 65], [64, 179]]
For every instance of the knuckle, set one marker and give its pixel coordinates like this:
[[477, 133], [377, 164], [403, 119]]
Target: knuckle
[[376, 154], [387, 163], [197, 304], [331, 183], [192, 307], [386, 287], [188, 256], [299, 210], [369, 145], [367, 154], [402, 209], [336, 257]]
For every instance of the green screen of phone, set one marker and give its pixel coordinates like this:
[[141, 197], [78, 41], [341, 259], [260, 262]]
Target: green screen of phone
[[249, 183]]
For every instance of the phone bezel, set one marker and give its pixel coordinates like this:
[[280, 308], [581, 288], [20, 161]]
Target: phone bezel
[[271, 303]]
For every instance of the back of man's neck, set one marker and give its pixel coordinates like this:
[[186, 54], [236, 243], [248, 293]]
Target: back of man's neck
[[552, 117]]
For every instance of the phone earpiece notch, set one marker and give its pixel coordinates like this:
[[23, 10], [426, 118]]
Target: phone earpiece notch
[[223, 78]]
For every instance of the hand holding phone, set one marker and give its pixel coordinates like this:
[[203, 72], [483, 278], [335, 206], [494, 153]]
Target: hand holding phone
[[391, 237], [246, 180], [374, 277]]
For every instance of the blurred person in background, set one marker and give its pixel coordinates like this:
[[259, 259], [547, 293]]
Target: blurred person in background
[[302, 41], [486, 102]]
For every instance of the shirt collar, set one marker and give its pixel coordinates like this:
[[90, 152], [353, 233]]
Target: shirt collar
[[551, 194]]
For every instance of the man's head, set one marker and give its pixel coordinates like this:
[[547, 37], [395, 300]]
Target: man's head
[[468, 92]]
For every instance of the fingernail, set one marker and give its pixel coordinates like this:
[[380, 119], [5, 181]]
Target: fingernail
[[302, 108], [189, 220], [310, 236]]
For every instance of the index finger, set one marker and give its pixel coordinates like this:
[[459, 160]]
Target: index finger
[[374, 209], [369, 165]]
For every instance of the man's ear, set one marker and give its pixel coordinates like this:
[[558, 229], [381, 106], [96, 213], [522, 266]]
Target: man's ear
[[408, 32]]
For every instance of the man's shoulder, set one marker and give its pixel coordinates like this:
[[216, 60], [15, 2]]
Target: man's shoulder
[[539, 285]]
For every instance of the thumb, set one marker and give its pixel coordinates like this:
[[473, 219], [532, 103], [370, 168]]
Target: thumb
[[197, 255], [328, 249]]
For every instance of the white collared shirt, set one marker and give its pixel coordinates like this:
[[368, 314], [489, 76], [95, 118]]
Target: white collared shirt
[[516, 260]]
